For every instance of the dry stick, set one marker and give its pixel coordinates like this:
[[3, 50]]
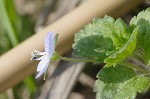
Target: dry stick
[[76, 95], [44, 15], [61, 82], [15, 65], [65, 7], [86, 80]]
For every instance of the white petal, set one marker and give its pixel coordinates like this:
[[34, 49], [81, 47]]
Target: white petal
[[50, 44], [43, 63], [42, 71], [36, 53]]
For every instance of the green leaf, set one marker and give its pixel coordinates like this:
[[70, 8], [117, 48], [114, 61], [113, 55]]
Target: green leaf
[[115, 30], [94, 47], [88, 30], [123, 52], [13, 16], [101, 38], [119, 82], [89, 43], [143, 21], [6, 22], [117, 72]]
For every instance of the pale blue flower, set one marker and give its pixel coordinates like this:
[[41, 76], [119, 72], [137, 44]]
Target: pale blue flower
[[45, 57]]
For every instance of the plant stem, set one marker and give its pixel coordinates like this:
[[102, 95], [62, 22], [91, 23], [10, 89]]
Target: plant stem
[[76, 60], [135, 67], [138, 55]]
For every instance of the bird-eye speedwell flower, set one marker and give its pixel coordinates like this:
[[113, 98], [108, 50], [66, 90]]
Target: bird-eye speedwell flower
[[46, 56], [50, 55]]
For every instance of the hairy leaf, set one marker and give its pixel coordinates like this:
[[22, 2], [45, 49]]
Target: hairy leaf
[[101, 38], [119, 82], [115, 30], [89, 43], [124, 52], [117, 72], [143, 21]]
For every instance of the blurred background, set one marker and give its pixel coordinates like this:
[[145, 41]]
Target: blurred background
[[20, 19]]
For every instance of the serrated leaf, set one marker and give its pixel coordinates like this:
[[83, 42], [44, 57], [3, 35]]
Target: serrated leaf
[[89, 43], [119, 82], [97, 39], [123, 52], [94, 47], [115, 30], [143, 21], [88, 30], [116, 73]]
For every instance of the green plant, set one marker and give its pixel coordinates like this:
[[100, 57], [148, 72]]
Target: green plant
[[125, 50]]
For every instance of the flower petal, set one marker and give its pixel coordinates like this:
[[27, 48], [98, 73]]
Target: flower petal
[[43, 63], [37, 53], [50, 44], [35, 58], [42, 71]]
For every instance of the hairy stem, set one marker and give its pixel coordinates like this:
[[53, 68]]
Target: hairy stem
[[135, 67], [76, 60]]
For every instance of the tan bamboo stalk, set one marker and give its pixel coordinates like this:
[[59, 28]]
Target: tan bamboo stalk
[[15, 65]]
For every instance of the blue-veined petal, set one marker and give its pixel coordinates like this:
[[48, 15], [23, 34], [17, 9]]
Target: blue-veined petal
[[43, 70], [43, 63], [50, 44]]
